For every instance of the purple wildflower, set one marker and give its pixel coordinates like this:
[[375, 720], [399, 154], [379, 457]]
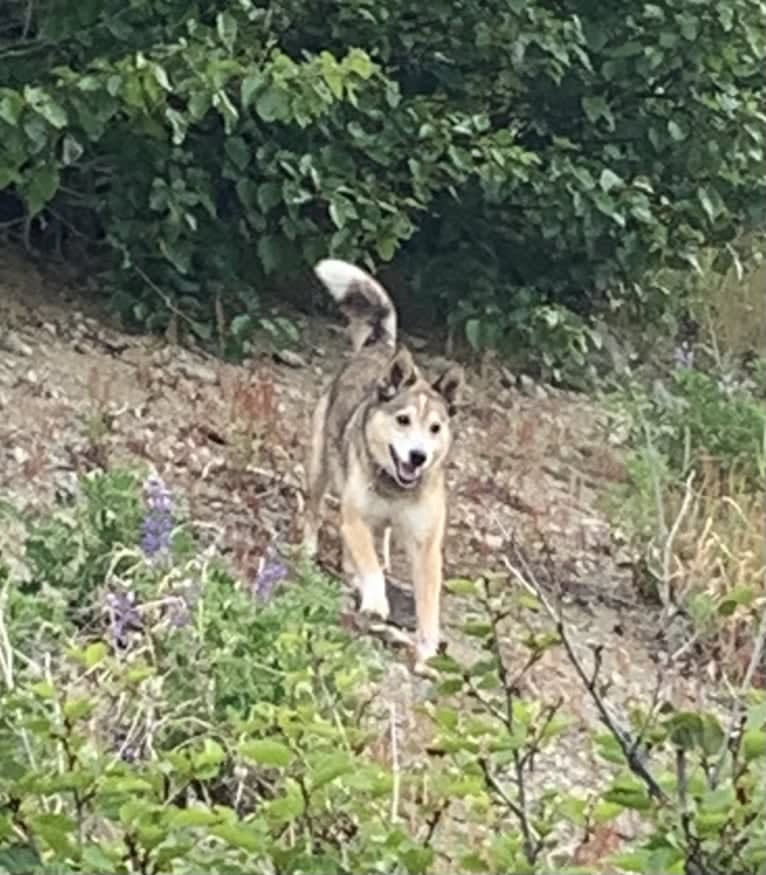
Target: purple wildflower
[[124, 616], [683, 356], [272, 573], [158, 523]]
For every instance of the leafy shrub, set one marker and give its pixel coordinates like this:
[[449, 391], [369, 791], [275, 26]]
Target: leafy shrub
[[691, 506], [699, 420], [211, 724], [499, 151]]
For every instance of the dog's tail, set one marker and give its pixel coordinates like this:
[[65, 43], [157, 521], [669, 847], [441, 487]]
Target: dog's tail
[[364, 302]]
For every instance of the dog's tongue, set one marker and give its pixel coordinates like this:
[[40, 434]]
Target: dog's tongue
[[407, 471]]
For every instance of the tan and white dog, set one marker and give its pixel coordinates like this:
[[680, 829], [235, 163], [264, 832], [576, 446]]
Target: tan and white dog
[[380, 439]]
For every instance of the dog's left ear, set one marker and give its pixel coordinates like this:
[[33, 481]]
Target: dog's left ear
[[450, 386], [400, 373]]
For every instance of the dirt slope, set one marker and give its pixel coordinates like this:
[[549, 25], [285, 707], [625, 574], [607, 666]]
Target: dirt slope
[[75, 393]]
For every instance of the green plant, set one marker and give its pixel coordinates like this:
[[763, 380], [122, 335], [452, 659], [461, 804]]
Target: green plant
[[695, 421], [208, 723], [212, 151]]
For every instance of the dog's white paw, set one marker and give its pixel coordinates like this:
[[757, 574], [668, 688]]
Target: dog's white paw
[[425, 650], [372, 588]]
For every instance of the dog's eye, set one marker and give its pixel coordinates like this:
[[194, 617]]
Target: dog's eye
[[436, 428], [403, 419]]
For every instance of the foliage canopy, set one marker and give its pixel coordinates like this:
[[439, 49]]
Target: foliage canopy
[[513, 157]]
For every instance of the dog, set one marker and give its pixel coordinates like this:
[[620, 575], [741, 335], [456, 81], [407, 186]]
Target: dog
[[380, 439]]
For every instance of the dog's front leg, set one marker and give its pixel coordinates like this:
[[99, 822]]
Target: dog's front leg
[[359, 541], [426, 562]]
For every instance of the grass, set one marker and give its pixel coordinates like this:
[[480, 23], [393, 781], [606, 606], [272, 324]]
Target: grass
[[693, 506]]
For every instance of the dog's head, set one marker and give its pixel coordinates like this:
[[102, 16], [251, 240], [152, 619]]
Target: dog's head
[[408, 431]]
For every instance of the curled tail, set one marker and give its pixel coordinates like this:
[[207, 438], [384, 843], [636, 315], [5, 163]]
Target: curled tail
[[364, 302]]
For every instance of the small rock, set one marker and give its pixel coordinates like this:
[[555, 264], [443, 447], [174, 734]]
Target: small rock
[[197, 371], [507, 378], [290, 358], [531, 389], [494, 542], [51, 328], [13, 343], [20, 455]]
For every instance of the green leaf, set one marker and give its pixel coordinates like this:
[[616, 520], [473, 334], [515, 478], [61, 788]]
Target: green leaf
[[706, 203], [272, 104], [238, 152], [241, 326], [274, 252], [608, 180], [269, 195], [41, 187], [450, 686], [604, 811], [267, 752], [477, 630], [739, 595], [124, 784], [42, 102], [596, 108], [629, 792], [193, 817], [250, 85], [675, 131], [386, 247], [77, 709], [331, 766], [332, 74], [95, 653], [226, 27], [462, 586], [56, 830], [685, 729], [239, 836], [358, 61], [11, 106], [71, 150], [473, 333], [606, 205], [19, 860], [287, 808], [754, 744]]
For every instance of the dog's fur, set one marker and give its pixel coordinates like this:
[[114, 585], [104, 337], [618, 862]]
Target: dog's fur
[[380, 439]]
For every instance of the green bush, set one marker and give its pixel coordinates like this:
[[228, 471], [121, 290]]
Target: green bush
[[515, 159], [212, 724], [696, 420]]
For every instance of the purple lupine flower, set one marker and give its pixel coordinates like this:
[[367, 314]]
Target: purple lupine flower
[[683, 356], [158, 522], [124, 616], [271, 574]]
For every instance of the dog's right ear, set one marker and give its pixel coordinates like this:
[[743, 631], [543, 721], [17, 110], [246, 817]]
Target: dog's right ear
[[400, 373]]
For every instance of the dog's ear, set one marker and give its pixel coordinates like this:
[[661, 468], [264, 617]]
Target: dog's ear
[[400, 373], [450, 386]]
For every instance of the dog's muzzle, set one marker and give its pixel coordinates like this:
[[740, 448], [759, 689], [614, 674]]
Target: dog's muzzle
[[407, 473]]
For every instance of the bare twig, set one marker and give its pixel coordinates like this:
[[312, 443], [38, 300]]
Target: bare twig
[[394, 766], [666, 591], [532, 842], [631, 754]]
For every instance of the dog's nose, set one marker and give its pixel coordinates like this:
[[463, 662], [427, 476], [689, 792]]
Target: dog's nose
[[417, 458]]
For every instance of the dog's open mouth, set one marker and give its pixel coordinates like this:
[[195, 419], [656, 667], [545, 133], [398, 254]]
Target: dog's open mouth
[[405, 474]]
